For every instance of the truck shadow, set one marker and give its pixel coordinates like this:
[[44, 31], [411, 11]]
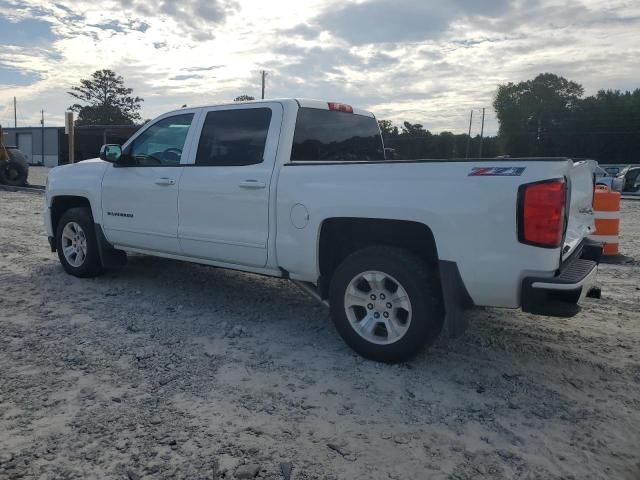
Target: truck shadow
[[509, 377], [165, 292], [619, 259]]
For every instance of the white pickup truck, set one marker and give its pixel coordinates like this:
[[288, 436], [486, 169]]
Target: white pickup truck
[[301, 189]]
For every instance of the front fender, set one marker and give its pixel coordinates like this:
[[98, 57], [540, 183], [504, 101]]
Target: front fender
[[82, 179]]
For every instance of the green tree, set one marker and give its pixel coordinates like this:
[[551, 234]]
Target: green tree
[[414, 142], [243, 98], [414, 130], [532, 113], [606, 127], [105, 100], [388, 129], [445, 145]]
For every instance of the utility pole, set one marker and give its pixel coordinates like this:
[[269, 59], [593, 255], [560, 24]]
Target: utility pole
[[15, 114], [42, 135], [469, 137], [68, 126], [264, 74], [481, 133]]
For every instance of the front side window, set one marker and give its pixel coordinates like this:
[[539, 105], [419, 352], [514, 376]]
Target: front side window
[[326, 135], [234, 137], [161, 144]]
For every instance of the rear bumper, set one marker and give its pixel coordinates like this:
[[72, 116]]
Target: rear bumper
[[560, 295]]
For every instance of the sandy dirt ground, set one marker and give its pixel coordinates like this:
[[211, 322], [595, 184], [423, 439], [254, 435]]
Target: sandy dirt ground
[[37, 175], [170, 370]]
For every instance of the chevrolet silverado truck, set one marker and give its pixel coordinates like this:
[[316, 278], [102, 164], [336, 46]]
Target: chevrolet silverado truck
[[301, 189]]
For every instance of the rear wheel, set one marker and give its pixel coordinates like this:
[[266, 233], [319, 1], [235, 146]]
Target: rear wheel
[[76, 243], [385, 303]]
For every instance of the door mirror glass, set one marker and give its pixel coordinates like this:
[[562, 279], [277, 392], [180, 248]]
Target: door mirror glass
[[111, 153]]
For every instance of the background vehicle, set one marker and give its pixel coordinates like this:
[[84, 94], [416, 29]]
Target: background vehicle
[[611, 170], [630, 179], [611, 181], [301, 189]]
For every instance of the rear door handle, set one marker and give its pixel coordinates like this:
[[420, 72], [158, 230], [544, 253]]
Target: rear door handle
[[252, 184], [165, 181]]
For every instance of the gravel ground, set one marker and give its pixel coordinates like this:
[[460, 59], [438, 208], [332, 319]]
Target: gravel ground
[[170, 370], [37, 175]]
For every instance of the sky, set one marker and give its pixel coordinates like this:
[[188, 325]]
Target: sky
[[423, 61]]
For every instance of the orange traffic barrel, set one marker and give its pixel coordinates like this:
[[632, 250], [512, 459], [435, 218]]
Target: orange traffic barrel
[[606, 212]]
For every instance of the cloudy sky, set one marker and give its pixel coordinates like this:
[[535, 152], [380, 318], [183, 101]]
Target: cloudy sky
[[425, 61]]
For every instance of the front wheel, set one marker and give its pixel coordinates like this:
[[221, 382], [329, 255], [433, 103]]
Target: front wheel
[[386, 303], [76, 243]]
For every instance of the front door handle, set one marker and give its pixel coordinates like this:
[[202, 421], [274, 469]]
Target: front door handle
[[252, 184], [165, 181]]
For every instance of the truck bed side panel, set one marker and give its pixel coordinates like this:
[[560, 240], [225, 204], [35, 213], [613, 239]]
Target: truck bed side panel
[[473, 219]]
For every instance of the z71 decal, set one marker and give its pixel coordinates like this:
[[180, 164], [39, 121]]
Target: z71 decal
[[496, 171]]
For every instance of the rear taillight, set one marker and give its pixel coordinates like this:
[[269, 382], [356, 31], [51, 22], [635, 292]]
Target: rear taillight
[[541, 213], [340, 107]]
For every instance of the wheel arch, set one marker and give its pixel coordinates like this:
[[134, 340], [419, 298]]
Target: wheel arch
[[341, 236], [62, 203], [109, 257]]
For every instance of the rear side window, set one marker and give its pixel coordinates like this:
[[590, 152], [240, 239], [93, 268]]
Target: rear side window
[[327, 135], [233, 137]]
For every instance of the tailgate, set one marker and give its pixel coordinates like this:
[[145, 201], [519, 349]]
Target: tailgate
[[580, 222]]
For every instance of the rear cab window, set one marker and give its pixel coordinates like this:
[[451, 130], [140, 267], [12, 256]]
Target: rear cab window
[[330, 136]]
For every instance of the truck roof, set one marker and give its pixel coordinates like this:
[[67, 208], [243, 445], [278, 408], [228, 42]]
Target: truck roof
[[301, 102]]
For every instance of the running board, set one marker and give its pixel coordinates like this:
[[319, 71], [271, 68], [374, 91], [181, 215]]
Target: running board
[[310, 290]]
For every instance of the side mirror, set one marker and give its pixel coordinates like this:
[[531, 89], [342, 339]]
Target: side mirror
[[110, 153]]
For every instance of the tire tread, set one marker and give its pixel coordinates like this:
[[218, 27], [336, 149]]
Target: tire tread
[[423, 277], [92, 266]]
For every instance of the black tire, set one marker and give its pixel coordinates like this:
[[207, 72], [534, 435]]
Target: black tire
[[91, 265], [16, 170], [422, 286]]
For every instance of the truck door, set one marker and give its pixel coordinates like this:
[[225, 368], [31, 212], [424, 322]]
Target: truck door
[[140, 192], [223, 203]]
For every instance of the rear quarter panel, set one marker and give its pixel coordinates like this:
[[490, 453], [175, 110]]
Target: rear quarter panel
[[473, 219]]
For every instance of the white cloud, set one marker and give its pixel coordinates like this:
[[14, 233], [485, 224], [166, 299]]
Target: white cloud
[[418, 60]]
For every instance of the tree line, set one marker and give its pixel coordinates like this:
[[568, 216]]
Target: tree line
[[545, 116], [412, 141], [549, 116]]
